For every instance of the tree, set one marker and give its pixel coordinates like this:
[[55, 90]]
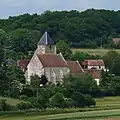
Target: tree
[[105, 81], [82, 100], [58, 100], [3, 78], [116, 66], [115, 84], [15, 89], [109, 59], [15, 73], [64, 48], [23, 40], [3, 38], [81, 56], [35, 81], [83, 83]]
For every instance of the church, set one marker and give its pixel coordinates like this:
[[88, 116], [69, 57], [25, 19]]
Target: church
[[45, 61]]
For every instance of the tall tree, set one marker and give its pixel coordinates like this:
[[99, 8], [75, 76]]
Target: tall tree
[[109, 59], [64, 48]]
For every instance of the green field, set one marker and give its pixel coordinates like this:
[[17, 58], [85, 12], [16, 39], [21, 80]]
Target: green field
[[92, 115], [10, 101], [110, 103], [100, 52]]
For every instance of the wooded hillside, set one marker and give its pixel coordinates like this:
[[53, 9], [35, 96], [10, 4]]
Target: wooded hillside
[[81, 29]]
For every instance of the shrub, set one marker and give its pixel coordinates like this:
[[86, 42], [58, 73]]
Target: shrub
[[58, 100], [82, 100], [69, 102], [38, 103], [24, 106], [89, 101], [23, 97]]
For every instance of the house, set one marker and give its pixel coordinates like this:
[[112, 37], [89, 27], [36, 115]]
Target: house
[[94, 68], [46, 62], [96, 74], [116, 40], [93, 64]]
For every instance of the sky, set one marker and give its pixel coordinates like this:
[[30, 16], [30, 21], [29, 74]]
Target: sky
[[17, 7]]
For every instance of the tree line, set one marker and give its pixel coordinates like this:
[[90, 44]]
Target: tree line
[[82, 29]]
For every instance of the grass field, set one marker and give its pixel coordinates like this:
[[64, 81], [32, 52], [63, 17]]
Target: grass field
[[100, 52], [92, 115], [107, 102], [11, 101]]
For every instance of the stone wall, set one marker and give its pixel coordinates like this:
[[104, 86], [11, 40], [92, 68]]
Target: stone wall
[[46, 49], [56, 74], [35, 67]]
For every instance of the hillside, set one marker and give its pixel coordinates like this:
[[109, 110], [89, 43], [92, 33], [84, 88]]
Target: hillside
[[82, 29]]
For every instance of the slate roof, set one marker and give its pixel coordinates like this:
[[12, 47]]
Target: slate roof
[[46, 40], [75, 67], [23, 64], [94, 62], [52, 60]]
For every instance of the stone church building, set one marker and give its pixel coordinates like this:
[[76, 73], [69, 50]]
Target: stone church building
[[46, 62]]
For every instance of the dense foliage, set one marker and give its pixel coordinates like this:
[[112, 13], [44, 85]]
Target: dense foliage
[[81, 29]]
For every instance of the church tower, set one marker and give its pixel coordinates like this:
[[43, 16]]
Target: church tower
[[46, 45]]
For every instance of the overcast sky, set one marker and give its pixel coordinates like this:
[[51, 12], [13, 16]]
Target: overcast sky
[[16, 7]]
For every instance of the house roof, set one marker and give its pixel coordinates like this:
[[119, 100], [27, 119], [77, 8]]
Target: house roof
[[46, 40], [116, 40], [75, 67], [96, 74], [93, 62], [23, 64], [52, 60]]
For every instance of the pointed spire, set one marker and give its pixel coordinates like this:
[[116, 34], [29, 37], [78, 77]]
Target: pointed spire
[[46, 40]]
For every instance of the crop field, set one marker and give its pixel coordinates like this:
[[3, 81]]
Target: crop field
[[112, 112], [91, 115], [100, 52], [108, 102]]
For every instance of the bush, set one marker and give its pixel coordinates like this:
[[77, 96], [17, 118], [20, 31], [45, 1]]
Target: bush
[[23, 97], [14, 92], [89, 101], [38, 103], [69, 102], [58, 101], [82, 100], [24, 106]]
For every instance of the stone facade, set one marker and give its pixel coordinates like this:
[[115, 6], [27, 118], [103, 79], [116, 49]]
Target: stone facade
[[46, 49], [56, 74], [34, 67]]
